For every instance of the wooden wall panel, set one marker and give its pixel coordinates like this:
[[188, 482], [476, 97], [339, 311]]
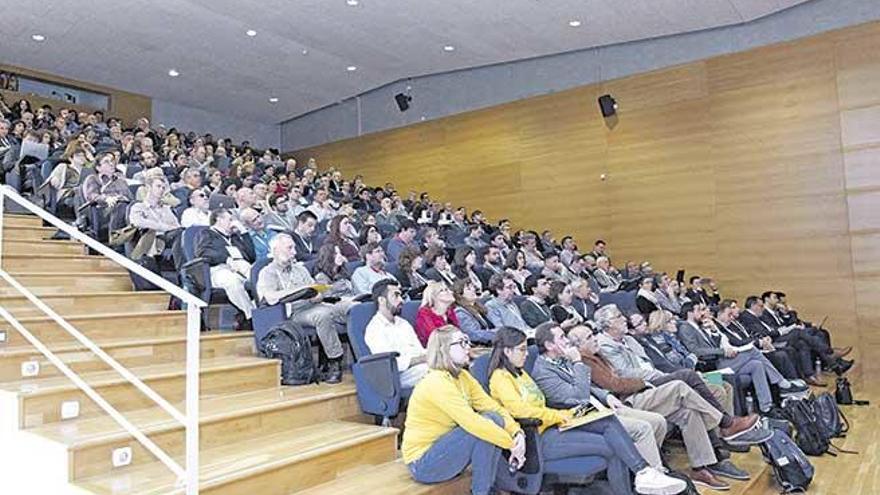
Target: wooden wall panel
[[759, 168]]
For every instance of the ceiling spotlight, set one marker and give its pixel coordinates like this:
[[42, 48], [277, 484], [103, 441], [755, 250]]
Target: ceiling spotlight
[[251, 33], [351, 68], [448, 48], [352, 3], [305, 51], [38, 37], [273, 100], [574, 24], [173, 73]]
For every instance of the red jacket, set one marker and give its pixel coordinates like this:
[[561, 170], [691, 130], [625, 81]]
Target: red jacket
[[427, 320]]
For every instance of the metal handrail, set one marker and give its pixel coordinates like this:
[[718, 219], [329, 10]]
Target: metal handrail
[[188, 476]]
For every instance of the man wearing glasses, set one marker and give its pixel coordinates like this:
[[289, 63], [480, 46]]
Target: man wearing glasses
[[388, 332]]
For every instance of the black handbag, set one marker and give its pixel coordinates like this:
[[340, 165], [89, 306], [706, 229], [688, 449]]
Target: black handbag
[[843, 392]]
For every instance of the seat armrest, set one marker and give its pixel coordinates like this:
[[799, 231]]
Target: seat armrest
[[378, 357]]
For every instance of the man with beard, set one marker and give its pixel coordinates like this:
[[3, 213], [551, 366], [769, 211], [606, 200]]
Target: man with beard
[[388, 332]]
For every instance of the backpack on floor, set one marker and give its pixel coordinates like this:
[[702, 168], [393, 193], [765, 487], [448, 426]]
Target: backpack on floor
[[791, 468], [811, 434], [288, 343], [830, 415]]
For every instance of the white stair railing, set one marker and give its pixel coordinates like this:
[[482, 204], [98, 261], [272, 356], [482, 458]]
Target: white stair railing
[[189, 476]]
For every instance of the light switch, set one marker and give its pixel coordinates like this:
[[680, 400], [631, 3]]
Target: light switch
[[69, 409]]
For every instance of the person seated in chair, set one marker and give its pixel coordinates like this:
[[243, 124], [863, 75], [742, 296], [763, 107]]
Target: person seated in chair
[[405, 237], [452, 423], [364, 277], [409, 264], [230, 256], [502, 309], [285, 276], [514, 389], [492, 263], [388, 332], [534, 308], [473, 317], [302, 235], [106, 189], [436, 310], [197, 213], [259, 235], [156, 221], [439, 269]]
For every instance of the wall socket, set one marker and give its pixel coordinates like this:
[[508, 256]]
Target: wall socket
[[30, 368], [69, 409], [122, 457]]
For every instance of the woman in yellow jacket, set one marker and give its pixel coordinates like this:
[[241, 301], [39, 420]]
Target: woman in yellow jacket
[[451, 422], [606, 437]]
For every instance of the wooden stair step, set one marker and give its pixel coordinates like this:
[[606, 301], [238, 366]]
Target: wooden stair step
[[223, 419], [43, 247], [60, 262], [41, 282], [88, 302], [99, 326], [134, 351], [28, 232], [19, 220], [40, 400], [391, 478], [277, 464]]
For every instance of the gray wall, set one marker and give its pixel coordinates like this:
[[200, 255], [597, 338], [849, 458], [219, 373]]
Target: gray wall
[[221, 126], [440, 95]]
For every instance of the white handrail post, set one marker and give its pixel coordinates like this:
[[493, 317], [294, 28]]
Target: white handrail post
[[193, 336]]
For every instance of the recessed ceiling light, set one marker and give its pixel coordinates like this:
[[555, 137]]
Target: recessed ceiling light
[[273, 100], [251, 33], [352, 3], [351, 68], [305, 51], [448, 48], [173, 73], [38, 37], [574, 23]]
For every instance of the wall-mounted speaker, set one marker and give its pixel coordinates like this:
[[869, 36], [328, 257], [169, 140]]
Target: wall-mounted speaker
[[402, 100], [608, 105]]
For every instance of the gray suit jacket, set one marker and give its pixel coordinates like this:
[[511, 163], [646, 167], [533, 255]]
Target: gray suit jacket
[[697, 342], [563, 389], [628, 360]]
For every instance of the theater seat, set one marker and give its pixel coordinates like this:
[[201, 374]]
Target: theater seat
[[376, 376]]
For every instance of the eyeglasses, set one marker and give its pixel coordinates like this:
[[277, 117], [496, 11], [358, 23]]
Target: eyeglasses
[[521, 348], [463, 342]]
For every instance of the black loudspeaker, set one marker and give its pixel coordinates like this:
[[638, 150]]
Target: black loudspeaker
[[402, 101], [608, 105]]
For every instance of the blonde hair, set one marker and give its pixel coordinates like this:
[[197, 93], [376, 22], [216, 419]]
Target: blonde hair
[[429, 296], [657, 320], [438, 350]]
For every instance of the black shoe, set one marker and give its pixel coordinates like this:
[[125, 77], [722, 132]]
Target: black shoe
[[727, 469], [774, 413], [842, 366], [334, 372]]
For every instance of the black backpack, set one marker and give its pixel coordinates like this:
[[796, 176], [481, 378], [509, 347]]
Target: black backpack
[[812, 436], [288, 343], [791, 468], [830, 415]]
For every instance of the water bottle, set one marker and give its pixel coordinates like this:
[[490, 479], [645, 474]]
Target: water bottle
[[818, 368], [750, 404]]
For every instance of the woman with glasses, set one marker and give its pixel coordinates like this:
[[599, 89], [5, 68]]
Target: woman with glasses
[[472, 315], [451, 423], [514, 389], [436, 310]]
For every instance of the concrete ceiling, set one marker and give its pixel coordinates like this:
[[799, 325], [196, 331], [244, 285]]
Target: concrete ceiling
[[303, 47]]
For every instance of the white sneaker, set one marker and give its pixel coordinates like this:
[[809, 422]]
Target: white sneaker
[[650, 481]]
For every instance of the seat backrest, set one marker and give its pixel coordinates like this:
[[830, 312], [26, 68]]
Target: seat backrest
[[410, 310], [132, 169], [190, 236], [358, 318], [351, 266]]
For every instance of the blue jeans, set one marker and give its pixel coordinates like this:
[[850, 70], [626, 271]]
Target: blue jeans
[[453, 452], [605, 438]]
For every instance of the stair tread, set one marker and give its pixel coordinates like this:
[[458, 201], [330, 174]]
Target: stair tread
[[56, 256], [101, 316], [89, 431], [39, 386], [391, 478], [120, 342], [66, 274], [242, 459], [118, 293]]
